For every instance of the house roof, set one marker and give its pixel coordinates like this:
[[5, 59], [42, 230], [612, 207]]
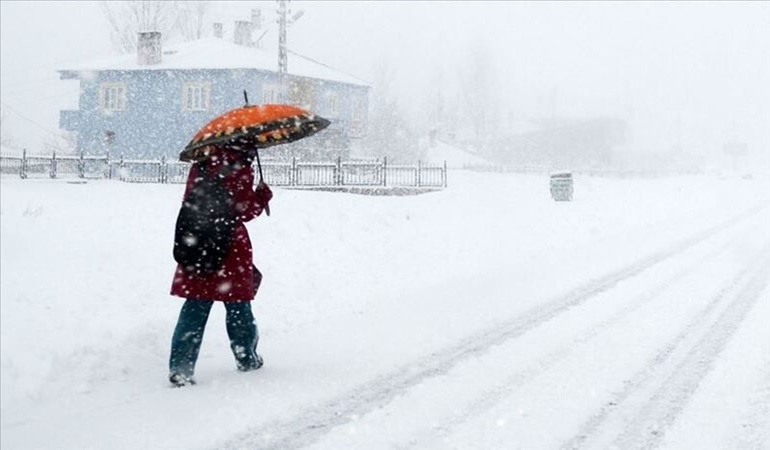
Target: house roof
[[217, 53]]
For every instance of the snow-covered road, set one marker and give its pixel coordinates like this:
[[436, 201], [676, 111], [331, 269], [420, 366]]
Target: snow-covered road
[[611, 364], [484, 316]]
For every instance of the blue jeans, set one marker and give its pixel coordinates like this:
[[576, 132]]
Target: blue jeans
[[188, 335]]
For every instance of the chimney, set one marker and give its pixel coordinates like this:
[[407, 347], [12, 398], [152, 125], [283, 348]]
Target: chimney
[[218, 30], [256, 19], [148, 49], [242, 33]]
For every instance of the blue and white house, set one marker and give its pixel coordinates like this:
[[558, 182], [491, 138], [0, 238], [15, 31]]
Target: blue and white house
[[150, 104]]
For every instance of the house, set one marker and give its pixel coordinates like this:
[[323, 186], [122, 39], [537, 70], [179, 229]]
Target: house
[[560, 143], [150, 104]]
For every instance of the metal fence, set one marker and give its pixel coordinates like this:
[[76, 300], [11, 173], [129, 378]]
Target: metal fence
[[277, 173], [40, 166]]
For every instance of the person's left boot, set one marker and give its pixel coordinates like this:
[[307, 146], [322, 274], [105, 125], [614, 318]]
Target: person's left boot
[[248, 367]]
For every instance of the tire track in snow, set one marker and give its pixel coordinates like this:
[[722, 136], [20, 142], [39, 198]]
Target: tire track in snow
[[677, 377], [756, 430], [312, 423], [514, 382]]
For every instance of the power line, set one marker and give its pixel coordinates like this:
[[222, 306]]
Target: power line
[[42, 127], [32, 91], [27, 99], [41, 86], [26, 81]]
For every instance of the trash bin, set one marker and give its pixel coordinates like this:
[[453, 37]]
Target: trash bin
[[561, 186]]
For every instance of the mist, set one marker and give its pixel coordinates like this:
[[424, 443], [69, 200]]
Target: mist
[[683, 77]]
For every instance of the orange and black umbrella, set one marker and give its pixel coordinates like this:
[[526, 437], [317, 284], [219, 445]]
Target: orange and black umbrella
[[253, 127]]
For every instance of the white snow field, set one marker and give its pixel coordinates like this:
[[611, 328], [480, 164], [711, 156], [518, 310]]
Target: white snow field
[[483, 316]]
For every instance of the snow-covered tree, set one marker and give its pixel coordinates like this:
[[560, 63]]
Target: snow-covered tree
[[5, 138], [127, 18], [478, 95], [390, 133], [192, 19]]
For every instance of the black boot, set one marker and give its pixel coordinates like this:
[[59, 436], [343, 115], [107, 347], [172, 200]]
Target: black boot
[[255, 364], [179, 380]]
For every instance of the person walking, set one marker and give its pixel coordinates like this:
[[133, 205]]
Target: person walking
[[232, 279]]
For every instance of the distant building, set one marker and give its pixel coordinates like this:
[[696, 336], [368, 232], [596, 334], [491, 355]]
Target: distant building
[[150, 104], [560, 143]]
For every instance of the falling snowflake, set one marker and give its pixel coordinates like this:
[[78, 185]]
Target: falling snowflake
[[225, 287]]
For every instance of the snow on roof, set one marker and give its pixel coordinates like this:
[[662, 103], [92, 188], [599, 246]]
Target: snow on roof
[[217, 53]]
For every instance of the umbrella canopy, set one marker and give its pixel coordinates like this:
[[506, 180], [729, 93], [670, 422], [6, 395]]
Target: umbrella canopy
[[253, 127]]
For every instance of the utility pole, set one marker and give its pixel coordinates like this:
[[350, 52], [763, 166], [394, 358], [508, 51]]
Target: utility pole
[[283, 60], [283, 23]]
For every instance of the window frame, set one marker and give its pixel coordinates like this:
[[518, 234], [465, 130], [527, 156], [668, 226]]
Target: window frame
[[332, 104], [357, 109], [113, 96], [358, 116], [196, 96]]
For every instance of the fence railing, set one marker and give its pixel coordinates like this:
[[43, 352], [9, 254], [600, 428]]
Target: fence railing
[[277, 173], [610, 171]]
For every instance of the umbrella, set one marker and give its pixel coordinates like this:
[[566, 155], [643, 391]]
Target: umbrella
[[252, 127]]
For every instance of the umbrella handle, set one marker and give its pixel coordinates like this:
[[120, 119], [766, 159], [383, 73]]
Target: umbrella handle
[[262, 180], [259, 165]]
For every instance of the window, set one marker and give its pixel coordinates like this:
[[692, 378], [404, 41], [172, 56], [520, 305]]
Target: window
[[195, 96], [357, 118], [357, 111], [272, 93], [332, 105], [112, 96]]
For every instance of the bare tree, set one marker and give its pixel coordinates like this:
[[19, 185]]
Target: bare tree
[[192, 19], [127, 18], [481, 104], [5, 139], [390, 133], [443, 104]]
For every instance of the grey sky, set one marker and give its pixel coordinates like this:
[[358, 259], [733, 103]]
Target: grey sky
[[689, 72]]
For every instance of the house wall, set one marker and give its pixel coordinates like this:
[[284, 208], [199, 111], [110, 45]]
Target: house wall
[[155, 124]]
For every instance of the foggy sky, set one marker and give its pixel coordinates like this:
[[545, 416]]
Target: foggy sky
[[686, 73]]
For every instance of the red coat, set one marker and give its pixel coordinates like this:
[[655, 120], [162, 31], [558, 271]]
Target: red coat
[[235, 281]]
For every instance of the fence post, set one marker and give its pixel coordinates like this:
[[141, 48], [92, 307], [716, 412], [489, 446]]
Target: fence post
[[108, 166], [338, 169], [23, 171], [162, 169], [384, 170], [293, 172], [419, 173], [445, 184], [81, 166], [53, 164], [121, 170]]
